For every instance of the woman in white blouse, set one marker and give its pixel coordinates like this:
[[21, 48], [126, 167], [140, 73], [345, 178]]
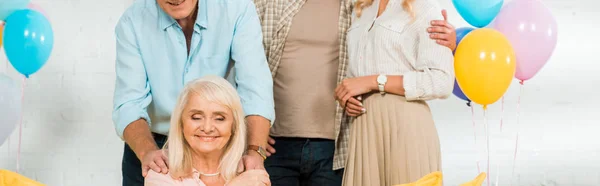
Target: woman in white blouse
[[394, 67]]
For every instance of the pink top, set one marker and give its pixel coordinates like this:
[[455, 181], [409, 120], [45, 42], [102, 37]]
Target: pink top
[[159, 179]]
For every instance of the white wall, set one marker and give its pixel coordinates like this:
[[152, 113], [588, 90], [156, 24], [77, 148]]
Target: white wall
[[68, 137]]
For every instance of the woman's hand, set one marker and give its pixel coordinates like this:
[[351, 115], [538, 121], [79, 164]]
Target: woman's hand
[[354, 107], [352, 87], [254, 177]]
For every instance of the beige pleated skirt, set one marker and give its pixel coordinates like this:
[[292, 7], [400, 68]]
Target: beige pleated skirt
[[394, 142]]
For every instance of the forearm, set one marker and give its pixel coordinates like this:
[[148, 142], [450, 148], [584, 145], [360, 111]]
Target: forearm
[[394, 84], [258, 130], [139, 138]]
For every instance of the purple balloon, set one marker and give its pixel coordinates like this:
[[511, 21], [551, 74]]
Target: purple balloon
[[460, 34], [532, 31], [459, 93]]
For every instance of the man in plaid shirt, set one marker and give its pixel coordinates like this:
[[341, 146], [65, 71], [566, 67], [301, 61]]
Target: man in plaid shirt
[[304, 42]]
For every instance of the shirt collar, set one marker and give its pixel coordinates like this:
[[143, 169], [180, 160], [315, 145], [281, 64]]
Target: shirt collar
[[166, 21]]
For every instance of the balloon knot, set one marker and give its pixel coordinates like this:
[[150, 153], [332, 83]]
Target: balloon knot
[[485, 107], [521, 82], [469, 104]]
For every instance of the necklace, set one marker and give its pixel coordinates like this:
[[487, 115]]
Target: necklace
[[209, 175]]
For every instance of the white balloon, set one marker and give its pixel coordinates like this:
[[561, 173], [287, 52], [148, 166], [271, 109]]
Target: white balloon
[[10, 106]]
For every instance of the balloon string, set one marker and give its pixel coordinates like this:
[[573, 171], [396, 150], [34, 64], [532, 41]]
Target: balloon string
[[487, 135], [21, 125], [8, 144], [497, 154], [518, 131], [475, 138], [502, 116]]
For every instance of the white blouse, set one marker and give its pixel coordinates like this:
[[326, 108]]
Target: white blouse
[[395, 44]]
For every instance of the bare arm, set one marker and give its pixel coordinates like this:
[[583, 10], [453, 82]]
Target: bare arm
[[258, 130], [131, 98], [138, 136]]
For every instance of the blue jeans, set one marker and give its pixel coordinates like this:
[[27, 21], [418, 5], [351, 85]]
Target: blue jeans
[[303, 162], [131, 166]]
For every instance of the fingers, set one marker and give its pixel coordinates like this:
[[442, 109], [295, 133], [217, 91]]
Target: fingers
[[440, 23], [166, 160], [154, 167], [341, 93], [445, 14], [353, 113], [145, 170], [340, 99], [354, 101], [161, 165], [353, 108], [445, 37], [437, 29], [270, 150], [271, 141], [345, 99]]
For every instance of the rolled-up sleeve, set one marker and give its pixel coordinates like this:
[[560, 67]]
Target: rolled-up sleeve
[[132, 90], [253, 77], [433, 77]]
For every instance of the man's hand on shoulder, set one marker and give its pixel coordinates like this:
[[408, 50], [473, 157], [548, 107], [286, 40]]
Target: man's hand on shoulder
[[443, 32], [155, 160]]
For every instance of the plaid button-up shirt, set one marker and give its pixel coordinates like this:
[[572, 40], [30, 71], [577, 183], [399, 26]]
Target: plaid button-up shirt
[[276, 19]]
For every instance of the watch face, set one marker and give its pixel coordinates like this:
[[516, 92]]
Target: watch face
[[381, 79], [261, 150]]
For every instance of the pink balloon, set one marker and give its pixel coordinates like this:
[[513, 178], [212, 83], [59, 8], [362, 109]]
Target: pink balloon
[[531, 28], [36, 7]]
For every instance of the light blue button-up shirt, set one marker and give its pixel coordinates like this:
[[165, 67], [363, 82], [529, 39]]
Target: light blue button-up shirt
[[152, 63]]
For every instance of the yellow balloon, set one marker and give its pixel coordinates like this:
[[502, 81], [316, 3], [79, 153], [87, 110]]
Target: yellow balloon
[[484, 63], [9, 178]]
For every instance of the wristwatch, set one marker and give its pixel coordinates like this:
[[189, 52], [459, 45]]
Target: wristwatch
[[381, 80], [261, 151]]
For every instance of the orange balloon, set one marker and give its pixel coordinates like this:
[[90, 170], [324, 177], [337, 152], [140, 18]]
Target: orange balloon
[[484, 64], [1, 30]]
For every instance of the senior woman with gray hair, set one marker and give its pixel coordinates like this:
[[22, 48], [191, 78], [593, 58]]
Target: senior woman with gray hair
[[207, 139]]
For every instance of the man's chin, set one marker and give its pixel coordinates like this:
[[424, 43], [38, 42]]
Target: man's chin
[[179, 15]]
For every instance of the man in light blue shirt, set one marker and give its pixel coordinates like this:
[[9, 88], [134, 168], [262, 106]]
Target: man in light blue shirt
[[161, 45]]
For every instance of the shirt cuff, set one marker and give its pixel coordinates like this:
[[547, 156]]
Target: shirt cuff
[[264, 111], [125, 117], [411, 91]]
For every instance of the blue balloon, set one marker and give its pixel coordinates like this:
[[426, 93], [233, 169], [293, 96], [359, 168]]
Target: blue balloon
[[460, 34], [28, 40], [7, 7], [478, 13]]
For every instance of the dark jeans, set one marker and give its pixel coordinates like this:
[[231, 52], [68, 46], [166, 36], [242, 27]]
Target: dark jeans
[[131, 166], [303, 162]]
